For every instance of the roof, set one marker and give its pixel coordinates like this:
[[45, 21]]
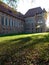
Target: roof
[[8, 10], [33, 12], [20, 15]]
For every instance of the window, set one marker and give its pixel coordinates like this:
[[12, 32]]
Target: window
[[15, 23], [6, 22], [32, 28], [32, 24], [9, 22], [12, 22], [2, 20]]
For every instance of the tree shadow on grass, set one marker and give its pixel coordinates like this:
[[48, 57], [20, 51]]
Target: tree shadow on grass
[[22, 43], [14, 44], [17, 45], [26, 42], [4, 35]]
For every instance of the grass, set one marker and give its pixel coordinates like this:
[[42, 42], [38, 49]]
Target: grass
[[25, 48]]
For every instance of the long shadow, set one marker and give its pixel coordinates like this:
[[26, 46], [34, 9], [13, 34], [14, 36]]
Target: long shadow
[[13, 47], [35, 40], [4, 35], [22, 43], [25, 42]]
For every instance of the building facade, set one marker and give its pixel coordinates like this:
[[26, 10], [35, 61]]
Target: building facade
[[11, 22], [35, 20]]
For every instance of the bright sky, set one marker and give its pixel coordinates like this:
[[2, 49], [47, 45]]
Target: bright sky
[[24, 5]]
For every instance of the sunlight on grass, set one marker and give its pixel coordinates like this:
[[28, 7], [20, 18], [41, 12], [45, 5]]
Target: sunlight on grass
[[2, 39], [32, 46]]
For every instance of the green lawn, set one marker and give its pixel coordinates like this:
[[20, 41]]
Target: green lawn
[[24, 49]]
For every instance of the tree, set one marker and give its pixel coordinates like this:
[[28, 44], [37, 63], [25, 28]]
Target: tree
[[12, 3]]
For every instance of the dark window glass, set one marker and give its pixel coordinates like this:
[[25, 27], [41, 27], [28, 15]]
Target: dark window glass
[[6, 21], [32, 28], [9, 22], [2, 20], [12, 23]]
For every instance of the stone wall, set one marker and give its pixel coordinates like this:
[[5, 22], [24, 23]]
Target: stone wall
[[36, 23], [11, 25]]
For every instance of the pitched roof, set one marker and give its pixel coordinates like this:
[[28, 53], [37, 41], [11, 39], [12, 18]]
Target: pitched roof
[[33, 12], [8, 10], [20, 15]]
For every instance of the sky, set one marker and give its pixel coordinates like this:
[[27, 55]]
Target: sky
[[24, 5]]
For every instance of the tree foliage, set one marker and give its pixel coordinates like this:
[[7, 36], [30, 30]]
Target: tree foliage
[[12, 3]]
